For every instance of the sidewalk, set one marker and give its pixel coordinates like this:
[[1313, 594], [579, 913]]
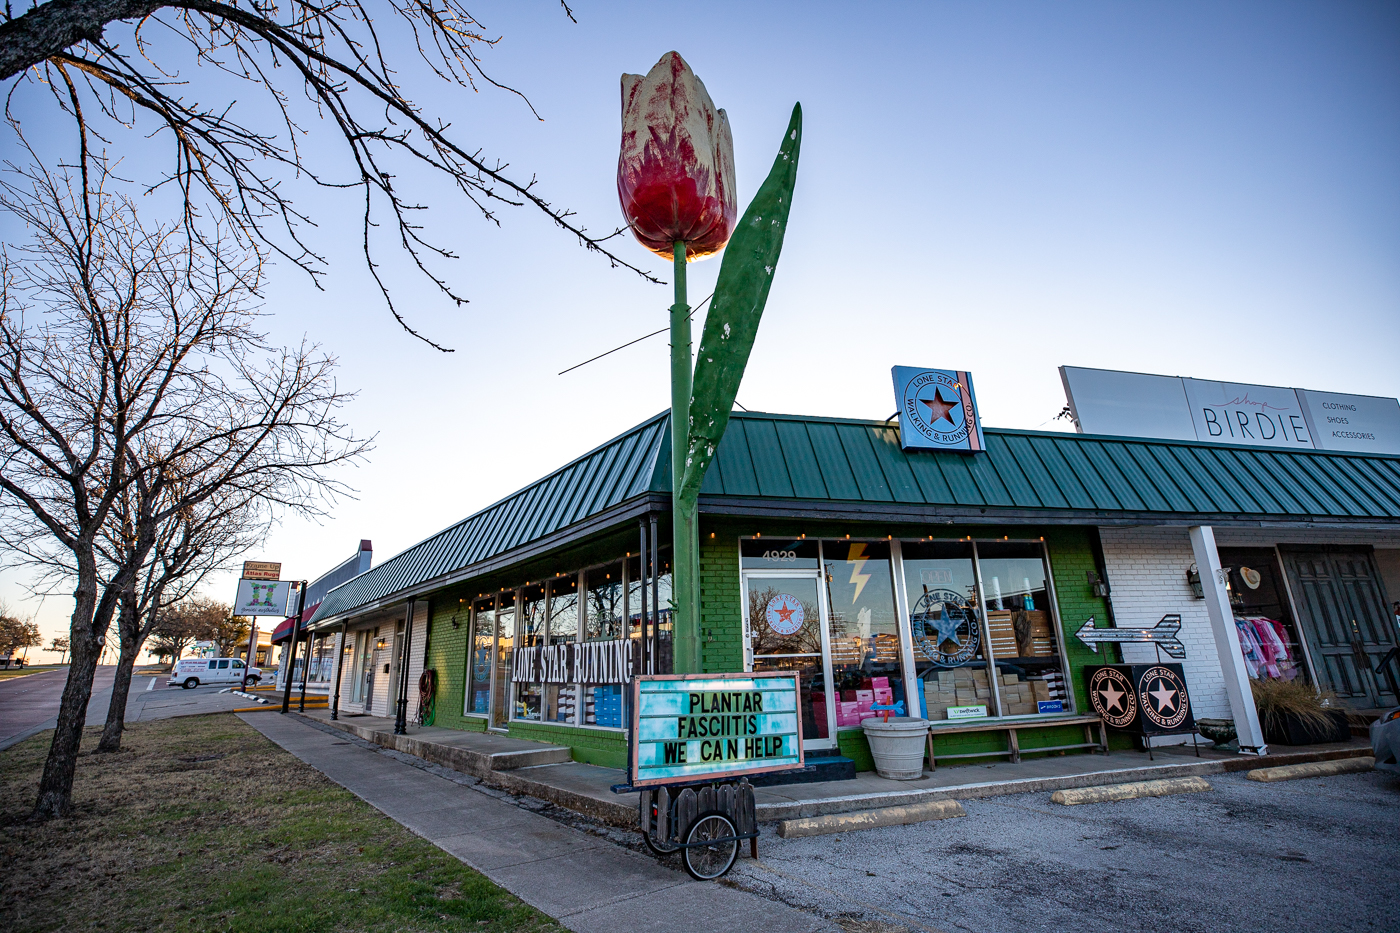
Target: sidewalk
[[547, 772], [587, 883]]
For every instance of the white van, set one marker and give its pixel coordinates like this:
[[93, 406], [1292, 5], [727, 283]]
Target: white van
[[191, 672]]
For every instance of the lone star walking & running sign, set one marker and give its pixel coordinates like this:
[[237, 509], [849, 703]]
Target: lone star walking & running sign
[[937, 409]]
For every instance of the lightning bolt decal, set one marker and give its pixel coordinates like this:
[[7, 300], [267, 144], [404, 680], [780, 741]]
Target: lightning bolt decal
[[858, 558]]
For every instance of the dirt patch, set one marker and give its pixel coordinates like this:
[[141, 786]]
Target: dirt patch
[[201, 823]]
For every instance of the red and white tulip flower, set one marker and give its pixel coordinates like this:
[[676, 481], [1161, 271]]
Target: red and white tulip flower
[[675, 173]]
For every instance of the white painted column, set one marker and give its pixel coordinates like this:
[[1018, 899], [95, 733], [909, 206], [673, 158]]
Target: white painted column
[[1227, 641]]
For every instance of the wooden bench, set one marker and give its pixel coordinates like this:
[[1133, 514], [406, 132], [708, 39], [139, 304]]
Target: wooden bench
[[1011, 727]]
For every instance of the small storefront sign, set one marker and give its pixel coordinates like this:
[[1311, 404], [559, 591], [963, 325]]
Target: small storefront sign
[[262, 570], [967, 712], [1149, 699], [937, 409], [699, 727], [265, 598]]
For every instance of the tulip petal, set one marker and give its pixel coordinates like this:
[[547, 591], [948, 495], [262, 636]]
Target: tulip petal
[[745, 277], [675, 169]]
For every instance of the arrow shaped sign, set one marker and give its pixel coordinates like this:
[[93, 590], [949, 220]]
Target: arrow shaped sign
[[1163, 635]]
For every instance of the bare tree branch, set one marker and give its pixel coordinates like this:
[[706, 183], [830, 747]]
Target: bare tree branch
[[335, 51]]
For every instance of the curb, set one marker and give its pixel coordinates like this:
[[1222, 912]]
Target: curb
[[1312, 769], [622, 812], [1134, 789], [870, 819]]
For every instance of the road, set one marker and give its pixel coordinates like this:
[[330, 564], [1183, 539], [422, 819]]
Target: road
[[1316, 855], [30, 704]]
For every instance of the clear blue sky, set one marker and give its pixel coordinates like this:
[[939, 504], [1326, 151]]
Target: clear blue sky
[[1199, 189]]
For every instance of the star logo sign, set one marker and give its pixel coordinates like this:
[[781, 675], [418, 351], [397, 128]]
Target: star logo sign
[[1113, 698], [1165, 703], [947, 628], [1164, 695], [785, 614], [938, 407]]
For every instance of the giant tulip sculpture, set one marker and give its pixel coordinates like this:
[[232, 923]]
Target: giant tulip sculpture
[[675, 179]]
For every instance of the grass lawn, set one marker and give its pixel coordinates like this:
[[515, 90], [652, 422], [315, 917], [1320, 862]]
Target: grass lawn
[[36, 669], [201, 823]]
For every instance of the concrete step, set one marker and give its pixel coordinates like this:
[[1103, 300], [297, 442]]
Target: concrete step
[[457, 751]]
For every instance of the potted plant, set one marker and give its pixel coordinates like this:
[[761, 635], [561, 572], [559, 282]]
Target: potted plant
[[896, 743], [1295, 713]]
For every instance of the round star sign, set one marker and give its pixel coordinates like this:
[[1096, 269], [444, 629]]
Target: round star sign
[[1164, 700], [784, 614]]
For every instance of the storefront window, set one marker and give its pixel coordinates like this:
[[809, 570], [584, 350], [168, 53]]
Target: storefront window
[[529, 697], [950, 656], [505, 655], [664, 633], [1021, 627], [477, 700], [560, 701], [636, 594], [603, 613], [1268, 634], [866, 660]]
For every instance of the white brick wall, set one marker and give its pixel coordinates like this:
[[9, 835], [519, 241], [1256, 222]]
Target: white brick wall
[[1147, 572]]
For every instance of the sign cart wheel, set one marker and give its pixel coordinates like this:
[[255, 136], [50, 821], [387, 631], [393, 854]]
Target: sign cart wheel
[[710, 847]]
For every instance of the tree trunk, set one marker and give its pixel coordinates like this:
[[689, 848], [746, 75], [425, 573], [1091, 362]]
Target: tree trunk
[[127, 621], [56, 784]]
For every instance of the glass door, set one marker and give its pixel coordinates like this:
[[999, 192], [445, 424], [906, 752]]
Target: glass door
[[786, 628]]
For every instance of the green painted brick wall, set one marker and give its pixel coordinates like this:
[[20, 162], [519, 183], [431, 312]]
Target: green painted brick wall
[[592, 746], [720, 623], [447, 654], [1071, 558]]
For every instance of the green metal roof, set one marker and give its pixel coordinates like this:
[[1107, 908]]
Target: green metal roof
[[794, 465], [1037, 474]]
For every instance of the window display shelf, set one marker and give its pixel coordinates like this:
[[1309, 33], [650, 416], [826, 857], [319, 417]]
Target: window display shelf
[[1013, 743]]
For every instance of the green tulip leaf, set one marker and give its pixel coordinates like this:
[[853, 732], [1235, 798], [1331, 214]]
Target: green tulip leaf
[[745, 276]]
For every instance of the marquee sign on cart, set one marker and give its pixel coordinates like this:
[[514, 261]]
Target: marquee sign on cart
[[710, 727]]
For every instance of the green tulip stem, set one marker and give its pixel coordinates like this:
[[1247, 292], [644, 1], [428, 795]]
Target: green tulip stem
[[685, 532]]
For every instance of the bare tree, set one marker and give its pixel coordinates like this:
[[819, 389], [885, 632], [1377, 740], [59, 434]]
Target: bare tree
[[189, 545], [129, 364], [17, 634], [318, 65]]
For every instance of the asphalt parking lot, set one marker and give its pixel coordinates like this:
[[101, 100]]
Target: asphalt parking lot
[[1316, 855]]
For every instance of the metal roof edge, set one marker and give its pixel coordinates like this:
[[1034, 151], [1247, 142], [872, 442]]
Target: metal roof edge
[[1073, 435], [910, 513], [628, 508], [504, 499]]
